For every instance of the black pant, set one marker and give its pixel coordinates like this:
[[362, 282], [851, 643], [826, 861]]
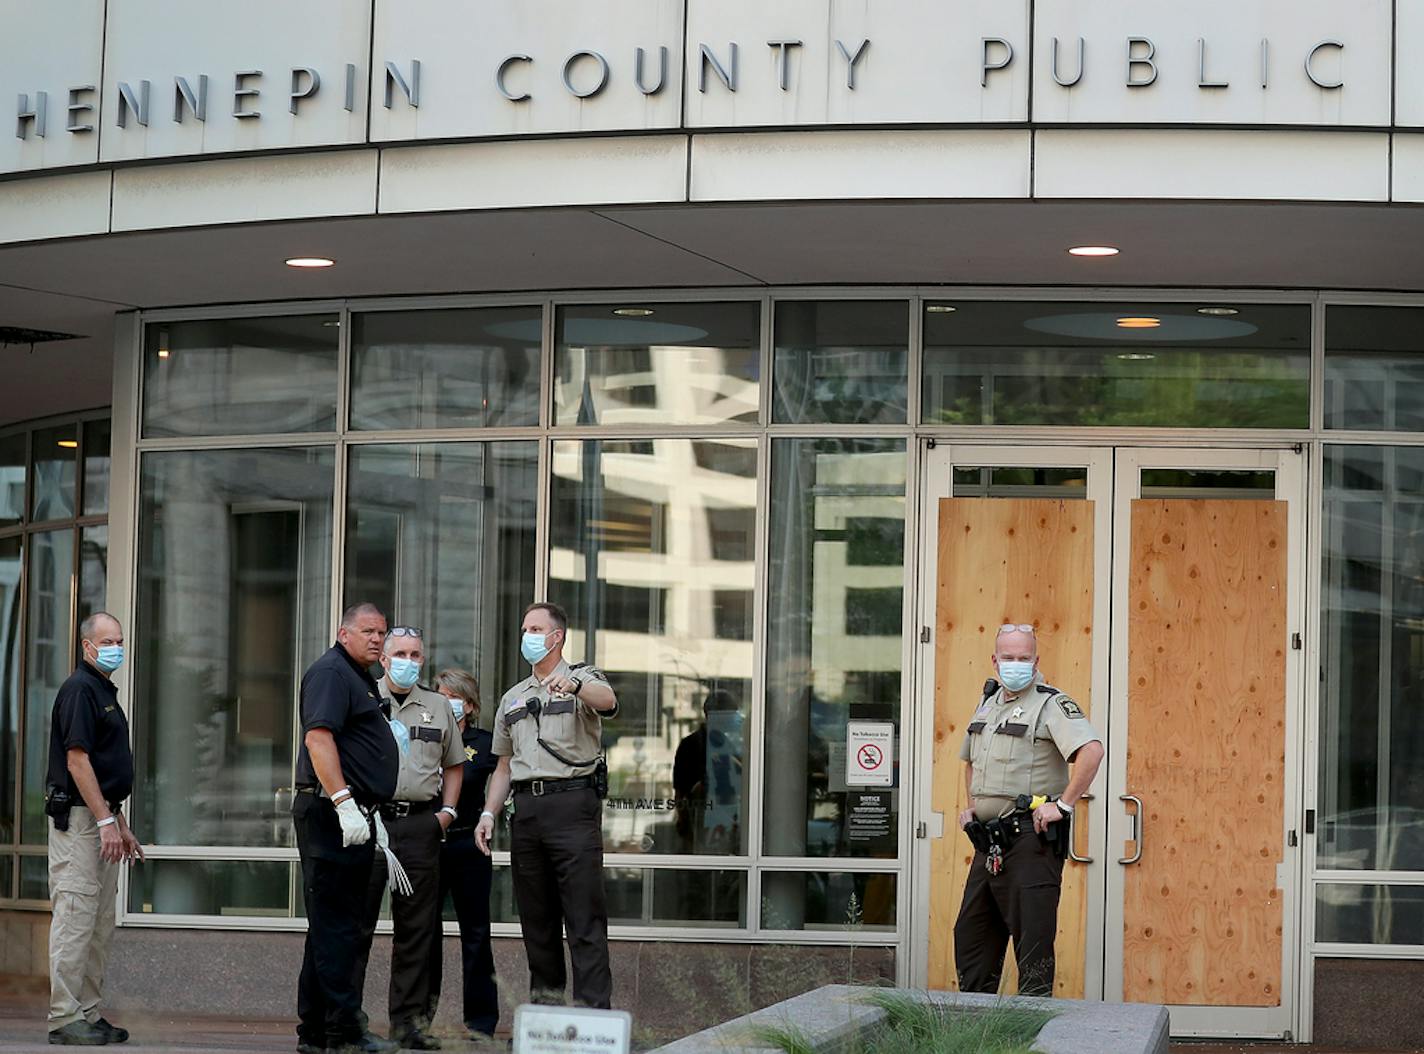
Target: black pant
[[1021, 902], [334, 881], [556, 850], [415, 839], [465, 875]]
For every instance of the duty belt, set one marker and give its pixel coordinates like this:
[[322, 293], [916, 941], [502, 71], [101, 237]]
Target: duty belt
[[395, 810], [539, 788]]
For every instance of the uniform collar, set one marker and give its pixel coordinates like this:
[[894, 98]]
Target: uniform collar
[[1027, 691], [97, 677], [362, 671], [418, 694], [560, 671]]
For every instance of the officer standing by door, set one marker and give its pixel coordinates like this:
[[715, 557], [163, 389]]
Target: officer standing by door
[[347, 766], [431, 768], [548, 736], [1017, 750], [465, 873]]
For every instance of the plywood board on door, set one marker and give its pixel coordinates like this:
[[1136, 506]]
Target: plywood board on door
[[1202, 914], [1000, 561]]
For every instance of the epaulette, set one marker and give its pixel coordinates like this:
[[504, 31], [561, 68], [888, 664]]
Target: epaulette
[[1048, 689]]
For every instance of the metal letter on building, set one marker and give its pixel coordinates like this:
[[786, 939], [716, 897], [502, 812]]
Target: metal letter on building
[[301, 91], [985, 66], [410, 89], [196, 101], [26, 115], [1141, 60], [662, 71], [240, 92], [783, 60], [1202, 82], [1310, 65], [1058, 77], [851, 60], [728, 79], [587, 93], [76, 107], [349, 104], [129, 103], [499, 76]]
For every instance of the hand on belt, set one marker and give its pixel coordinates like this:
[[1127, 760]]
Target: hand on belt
[[539, 788], [395, 810]]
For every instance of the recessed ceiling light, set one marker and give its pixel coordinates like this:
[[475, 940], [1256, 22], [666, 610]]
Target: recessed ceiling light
[[633, 312], [1138, 322], [1217, 311], [69, 444], [163, 353], [940, 309], [310, 261], [1136, 356], [331, 323], [1093, 250]]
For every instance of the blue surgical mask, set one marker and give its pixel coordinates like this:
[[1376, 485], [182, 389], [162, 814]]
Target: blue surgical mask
[[401, 734], [457, 706], [404, 673], [534, 646], [1016, 675], [109, 658]]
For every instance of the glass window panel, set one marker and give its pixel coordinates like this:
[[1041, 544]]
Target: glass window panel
[[11, 564], [1020, 482], [634, 559], [55, 458], [1369, 914], [502, 905], [232, 604], [97, 441], [93, 572], [645, 896], [667, 364], [828, 900], [835, 635], [240, 376], [465, 368], [261, 888], [34, 878], [1371, 797], [12, 478], [842, 362], [1208, 483], [48, 663], [7, 876], [1374, 368], [441, 536], [1138, 365]]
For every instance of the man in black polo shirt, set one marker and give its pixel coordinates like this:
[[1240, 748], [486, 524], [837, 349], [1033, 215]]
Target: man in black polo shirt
[[90, 775], [347, 766]]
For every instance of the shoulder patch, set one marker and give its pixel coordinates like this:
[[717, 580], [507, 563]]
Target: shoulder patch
[[1069, 708], [1047, 689]]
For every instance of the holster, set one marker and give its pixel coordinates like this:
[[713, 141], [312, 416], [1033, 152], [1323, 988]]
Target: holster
[[600, 778], [978, 834], [57, 805], [1059, 837]]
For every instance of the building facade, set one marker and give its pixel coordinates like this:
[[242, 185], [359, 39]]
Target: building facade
[[792, 349]]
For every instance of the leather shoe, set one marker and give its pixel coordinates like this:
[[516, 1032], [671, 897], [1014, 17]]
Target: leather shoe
[[416, 1040], [369, 1043], [116, 1034], [303, 1047], [79, 1034]]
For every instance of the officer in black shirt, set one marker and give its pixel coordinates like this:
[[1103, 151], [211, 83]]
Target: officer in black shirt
[[90, 775], [347, 765], [465, 872]]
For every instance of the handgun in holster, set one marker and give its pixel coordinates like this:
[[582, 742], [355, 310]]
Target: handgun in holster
[[1056, 837], [58, 802], [978, 834]]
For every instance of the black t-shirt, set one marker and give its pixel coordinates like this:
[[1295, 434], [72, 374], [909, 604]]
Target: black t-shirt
[[87, 715], [480, 761], [340, 695]]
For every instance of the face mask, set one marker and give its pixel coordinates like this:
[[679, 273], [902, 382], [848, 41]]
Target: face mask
[[404, 673], [534, 647], [1016, 675], [109, 658], [458, 707], [401, 734]]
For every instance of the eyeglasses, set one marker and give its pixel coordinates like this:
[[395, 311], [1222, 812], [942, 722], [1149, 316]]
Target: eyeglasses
[[1007, 627], [405, 631]]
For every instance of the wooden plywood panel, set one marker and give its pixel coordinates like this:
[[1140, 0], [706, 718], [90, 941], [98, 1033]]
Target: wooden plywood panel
[[1002, 560], [1202, 916]]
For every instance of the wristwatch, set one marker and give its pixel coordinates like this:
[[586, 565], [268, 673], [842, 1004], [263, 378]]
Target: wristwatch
[[1064, 809]]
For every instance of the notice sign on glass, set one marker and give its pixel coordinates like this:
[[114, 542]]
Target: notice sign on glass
[[570, 1030], [870, 747]]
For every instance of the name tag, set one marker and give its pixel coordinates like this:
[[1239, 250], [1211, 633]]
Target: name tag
[[514, 714], [426, 734], [975, 727], [1012, 730], [563, 705]]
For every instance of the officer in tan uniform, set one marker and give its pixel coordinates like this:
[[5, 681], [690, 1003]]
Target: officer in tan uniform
[[548, 738], [432, 769], [1017, 751]]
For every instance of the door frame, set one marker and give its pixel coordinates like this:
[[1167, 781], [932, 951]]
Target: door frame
[[1288, 464], [936, 481]]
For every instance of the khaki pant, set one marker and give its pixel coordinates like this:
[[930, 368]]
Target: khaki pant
[[82, 889]]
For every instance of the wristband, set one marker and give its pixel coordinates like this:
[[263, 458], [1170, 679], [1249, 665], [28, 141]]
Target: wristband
[[107, 820], [344, 792], [485, 813], [454, 815], [1064, 809]]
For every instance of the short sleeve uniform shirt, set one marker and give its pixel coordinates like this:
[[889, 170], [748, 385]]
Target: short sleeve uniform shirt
[[570, 726], [341, 695], [87, 715]]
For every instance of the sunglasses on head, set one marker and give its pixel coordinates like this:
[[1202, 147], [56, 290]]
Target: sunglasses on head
[[1008, 627], [405, 631]]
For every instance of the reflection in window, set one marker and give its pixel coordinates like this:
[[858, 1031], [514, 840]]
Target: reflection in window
[[831, 622], [97, 439], [647, 896], [1142, 365], [1372, 703], [93, 572], [233, 602], [55, 458], [464, 368], [48, 663], [828, 900], [1372, 914], [13, 450], [441, 536], [644, 607], [11, 564], [657, 364], [252, 888], [1374, 368], [842, 362], [240, 376]]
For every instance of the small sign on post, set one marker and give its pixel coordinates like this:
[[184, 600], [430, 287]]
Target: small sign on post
[[570, 1030], [870, 750]]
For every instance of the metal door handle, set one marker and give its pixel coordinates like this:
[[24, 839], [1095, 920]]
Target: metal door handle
[[1072, 849], [1136, 829]]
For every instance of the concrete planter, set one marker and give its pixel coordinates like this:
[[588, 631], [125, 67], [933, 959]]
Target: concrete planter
[[836, 1016]]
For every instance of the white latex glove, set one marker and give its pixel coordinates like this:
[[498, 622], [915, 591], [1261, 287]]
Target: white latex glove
[[396, 877], [354, 828]]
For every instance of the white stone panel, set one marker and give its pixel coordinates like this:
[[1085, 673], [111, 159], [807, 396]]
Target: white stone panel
[[461, 44], [1212, 164], [1408, 161], [161, 40], [246, 190], [50, 48], [923, 62], [54, 206], [595, 171], [813, 166], [1409, 71], [1224, 39]]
